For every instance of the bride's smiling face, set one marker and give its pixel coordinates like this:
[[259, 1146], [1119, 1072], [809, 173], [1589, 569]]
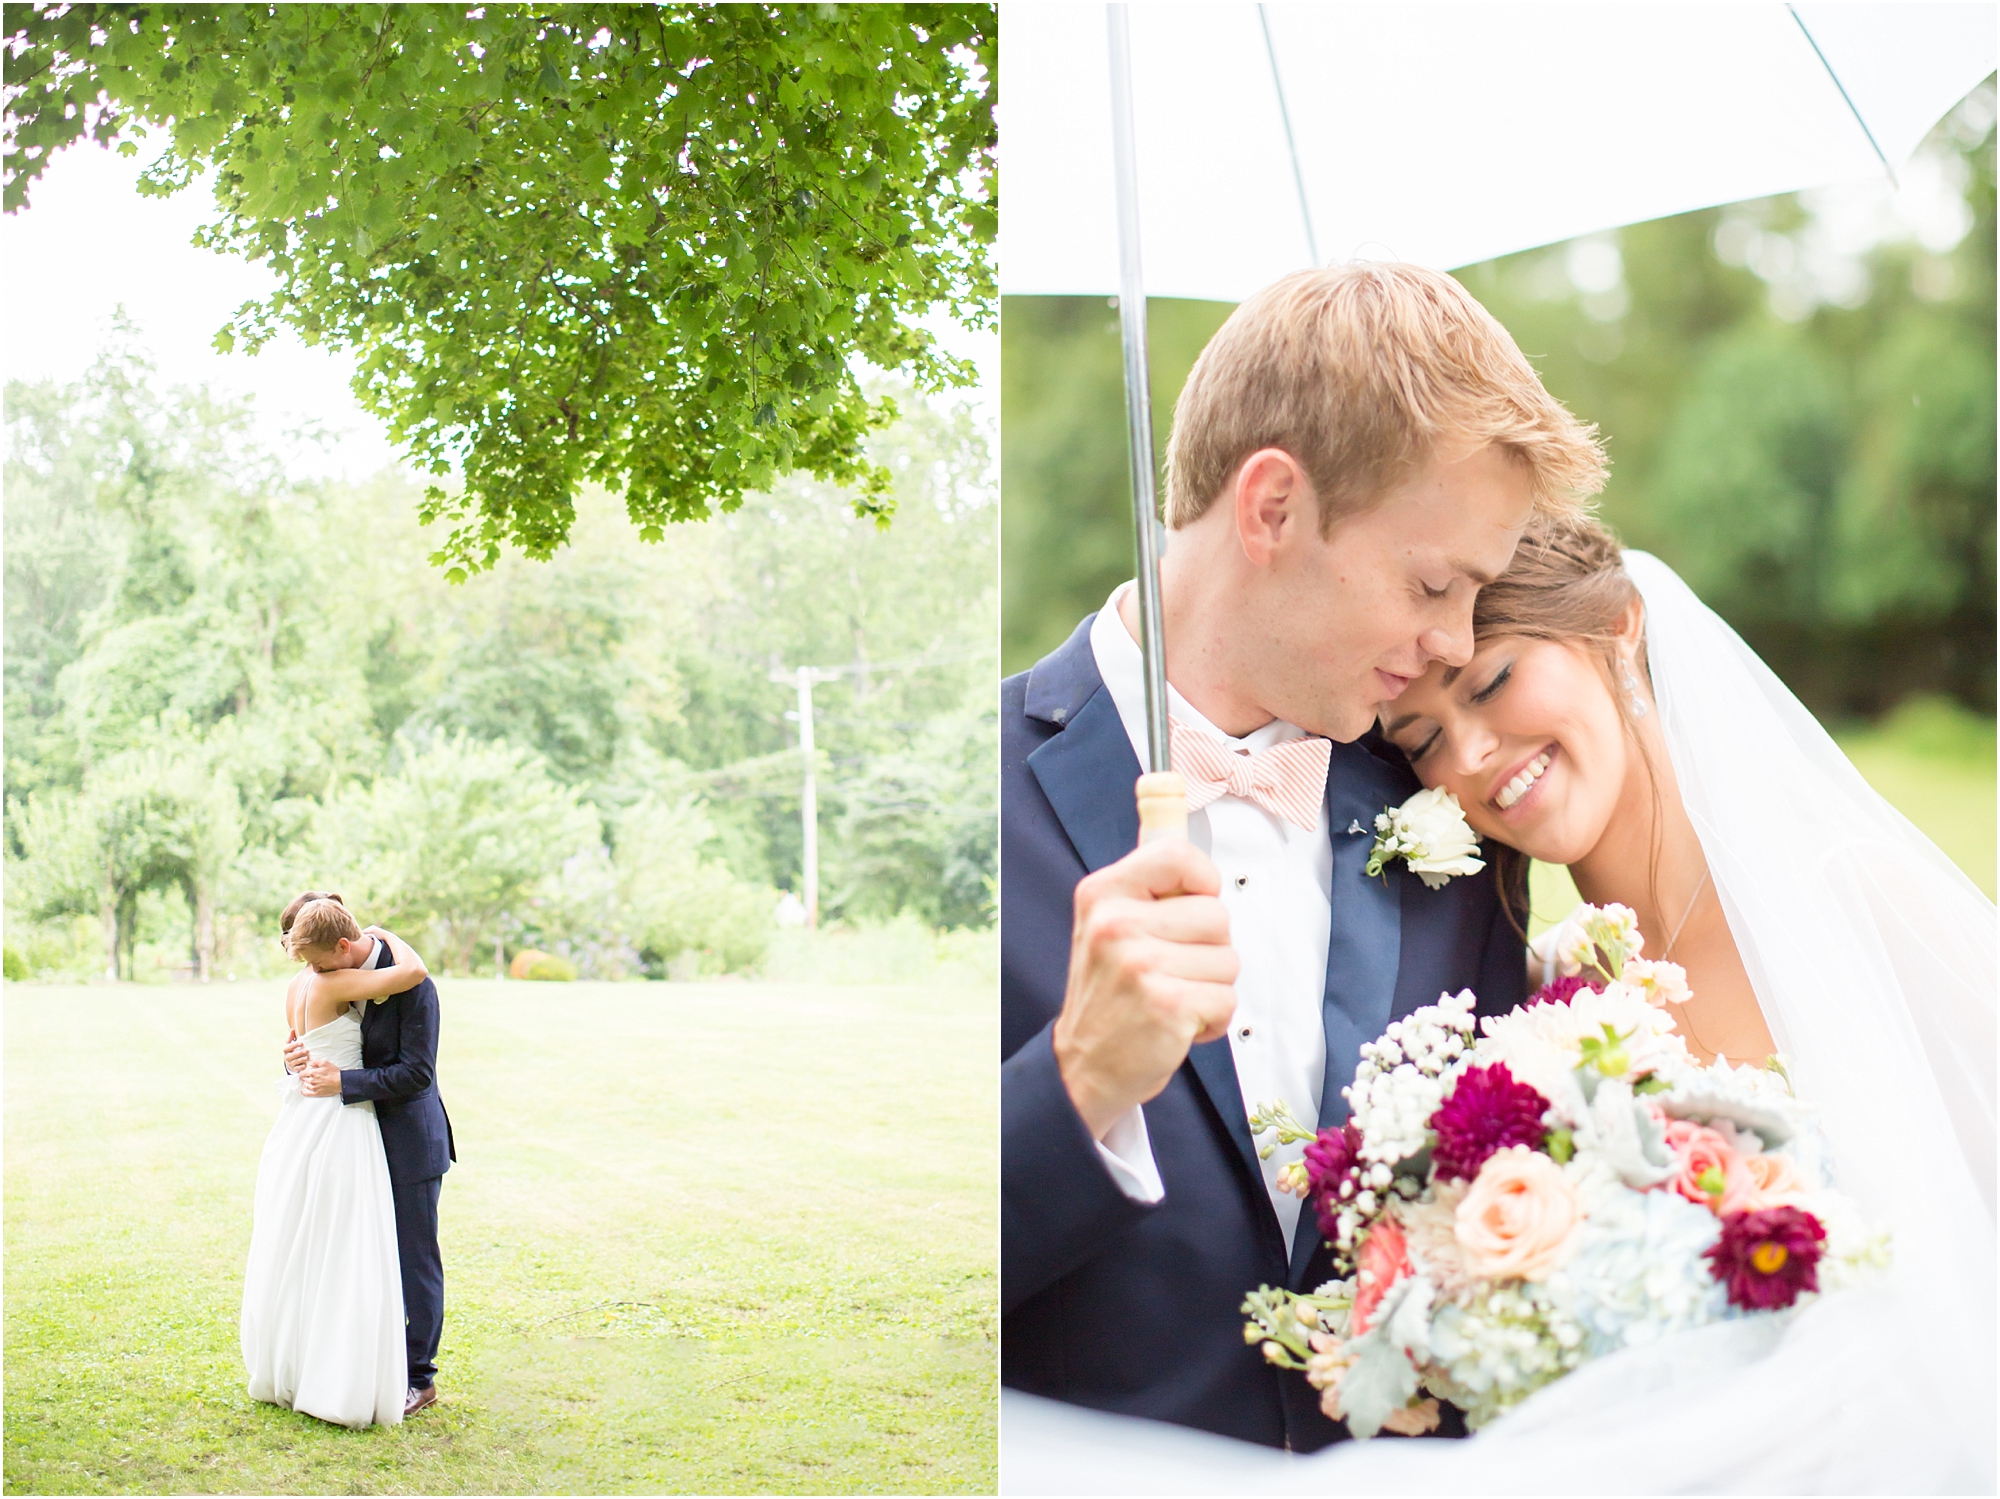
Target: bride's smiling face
[[1529, 736]]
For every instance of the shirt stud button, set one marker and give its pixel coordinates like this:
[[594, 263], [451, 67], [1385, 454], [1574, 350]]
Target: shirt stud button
[[1243, 1033], [1242, 880]]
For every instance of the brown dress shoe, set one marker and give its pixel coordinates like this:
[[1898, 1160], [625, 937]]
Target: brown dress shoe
[[416, 1400]]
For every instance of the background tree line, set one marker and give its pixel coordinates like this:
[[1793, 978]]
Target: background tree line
[[223, 685], [1805, 432]]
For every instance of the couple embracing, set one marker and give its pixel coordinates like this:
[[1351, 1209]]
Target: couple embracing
[[343, 1298], [1382, 577]]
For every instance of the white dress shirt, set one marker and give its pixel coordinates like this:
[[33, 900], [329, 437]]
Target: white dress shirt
[[1277, 885]]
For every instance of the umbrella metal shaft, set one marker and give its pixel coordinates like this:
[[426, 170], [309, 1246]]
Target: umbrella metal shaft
[[1138, 391]]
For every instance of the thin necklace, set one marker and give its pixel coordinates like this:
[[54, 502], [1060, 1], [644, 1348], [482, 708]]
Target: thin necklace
[[1684, 1017], [1684, 916]]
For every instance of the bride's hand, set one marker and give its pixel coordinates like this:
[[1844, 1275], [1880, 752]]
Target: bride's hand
[[400, 951]]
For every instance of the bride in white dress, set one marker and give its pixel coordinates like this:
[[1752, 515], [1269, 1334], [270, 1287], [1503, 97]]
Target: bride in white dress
[[322, 1329], [1635, 738]]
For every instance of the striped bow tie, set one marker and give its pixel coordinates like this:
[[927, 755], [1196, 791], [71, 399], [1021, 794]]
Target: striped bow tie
[[1287, 780]]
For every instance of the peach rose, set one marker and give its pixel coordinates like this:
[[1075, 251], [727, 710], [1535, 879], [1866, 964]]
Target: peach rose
[[1519, 1218], [1384, 1260], [1418, 1420], [1712, 1171], [1776, 1180], [1325, 1369]]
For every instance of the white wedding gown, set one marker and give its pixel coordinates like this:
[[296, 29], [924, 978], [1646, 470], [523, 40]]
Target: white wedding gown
[[1873, 958], [323, 1294]]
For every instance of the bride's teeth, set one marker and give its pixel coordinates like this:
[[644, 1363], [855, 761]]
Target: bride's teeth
[[1517, 788]]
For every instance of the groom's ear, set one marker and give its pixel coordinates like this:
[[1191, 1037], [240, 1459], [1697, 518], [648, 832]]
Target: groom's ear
[[1274, 500]]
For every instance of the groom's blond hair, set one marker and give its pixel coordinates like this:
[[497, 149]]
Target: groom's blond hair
[[316, 922], [1364, 373]]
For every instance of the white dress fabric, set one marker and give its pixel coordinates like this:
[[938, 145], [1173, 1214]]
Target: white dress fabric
[[323, 1294], [1873, 959]]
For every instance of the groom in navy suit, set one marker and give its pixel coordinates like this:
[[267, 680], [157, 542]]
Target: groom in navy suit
[[398, 1073], [1354, 455]]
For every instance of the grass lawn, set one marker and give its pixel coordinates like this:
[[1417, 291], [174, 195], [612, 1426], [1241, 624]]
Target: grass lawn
[[730, 1237], [1936, 768]]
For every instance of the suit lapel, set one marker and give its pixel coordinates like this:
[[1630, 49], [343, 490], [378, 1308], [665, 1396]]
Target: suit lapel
[[1087, 772], [1215, 1064], [1364, 945]]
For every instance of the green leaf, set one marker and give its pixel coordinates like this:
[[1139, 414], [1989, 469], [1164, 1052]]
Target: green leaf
[[691, 329]]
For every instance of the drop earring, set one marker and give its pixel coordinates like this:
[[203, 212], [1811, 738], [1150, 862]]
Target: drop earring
[[1632, 688]]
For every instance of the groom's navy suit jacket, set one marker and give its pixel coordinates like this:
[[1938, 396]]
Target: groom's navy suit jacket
[[398, 1072], [1107, 1302]]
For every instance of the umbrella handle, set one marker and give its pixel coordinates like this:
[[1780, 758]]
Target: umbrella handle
[[1162, 806]]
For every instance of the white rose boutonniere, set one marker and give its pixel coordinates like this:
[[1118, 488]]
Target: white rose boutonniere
[[1430, 834]]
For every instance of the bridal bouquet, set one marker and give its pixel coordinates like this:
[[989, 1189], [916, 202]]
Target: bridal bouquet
[[1565, 1182]]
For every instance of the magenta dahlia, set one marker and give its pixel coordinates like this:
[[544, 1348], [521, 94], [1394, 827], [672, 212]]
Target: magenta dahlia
[[1768, 1258], [1486, 1111], [1330, 1160], [1561, 991]]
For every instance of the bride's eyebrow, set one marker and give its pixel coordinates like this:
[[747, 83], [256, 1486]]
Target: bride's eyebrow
[[1477, 576]]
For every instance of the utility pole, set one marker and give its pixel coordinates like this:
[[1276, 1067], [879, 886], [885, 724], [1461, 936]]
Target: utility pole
[[804, 678]]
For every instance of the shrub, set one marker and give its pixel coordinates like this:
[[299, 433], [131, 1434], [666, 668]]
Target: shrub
[[15, 966], [531, 963], [690, 915]]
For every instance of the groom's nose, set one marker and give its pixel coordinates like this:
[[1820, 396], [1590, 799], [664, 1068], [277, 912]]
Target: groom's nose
[[1449, 639]]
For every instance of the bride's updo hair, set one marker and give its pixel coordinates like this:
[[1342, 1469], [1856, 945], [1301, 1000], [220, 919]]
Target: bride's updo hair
[[1568, 584], [317, 921]]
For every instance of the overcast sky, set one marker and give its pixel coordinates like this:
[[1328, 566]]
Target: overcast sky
[[88, 243]]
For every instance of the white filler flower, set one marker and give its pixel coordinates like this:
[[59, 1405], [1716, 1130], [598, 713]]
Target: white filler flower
[[1430, 834]]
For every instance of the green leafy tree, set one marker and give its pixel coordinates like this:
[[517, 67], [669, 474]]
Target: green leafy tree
[[921, 827], [905, 616], [689, 913], [147, 819], [539, 663], [57, 545], [637, 245], [221, 683], [1068, 538], [1752, 462], [458, 836]]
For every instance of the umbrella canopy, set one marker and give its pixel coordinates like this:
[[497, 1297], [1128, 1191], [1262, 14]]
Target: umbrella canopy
[[1273, 137]]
